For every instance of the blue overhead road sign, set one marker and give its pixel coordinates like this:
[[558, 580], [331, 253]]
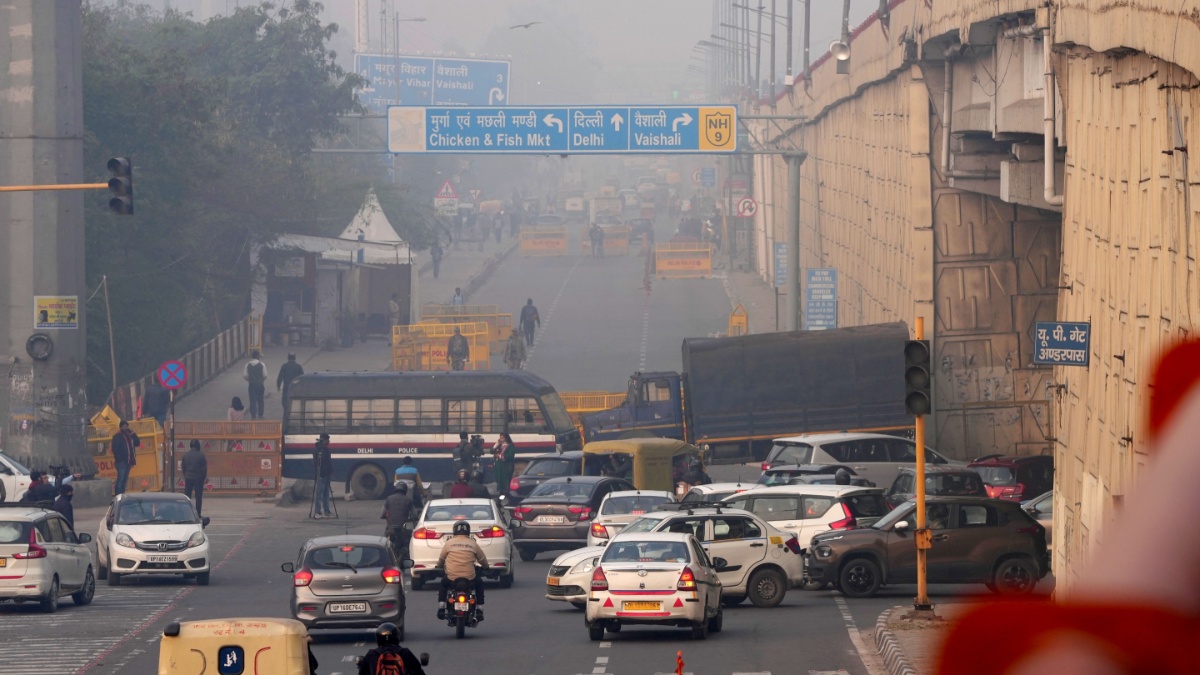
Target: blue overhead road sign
[[424, 81], [563, 129]]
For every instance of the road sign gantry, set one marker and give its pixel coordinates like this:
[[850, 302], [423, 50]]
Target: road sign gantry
[[563, 129]]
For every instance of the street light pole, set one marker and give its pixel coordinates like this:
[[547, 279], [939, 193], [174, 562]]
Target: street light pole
[[773, 71], [793, 242], [789, 42]]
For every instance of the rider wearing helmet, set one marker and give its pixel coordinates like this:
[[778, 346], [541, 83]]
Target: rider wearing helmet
[[382, 658], [459, 557], [478, 489], [398, 509]]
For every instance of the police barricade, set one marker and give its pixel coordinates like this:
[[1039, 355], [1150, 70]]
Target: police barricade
[[430, 340], [580, 403], [616, 240], [244, 458], [146, 475], [543, 240], [739, 321], [683, 260], [499, 325]]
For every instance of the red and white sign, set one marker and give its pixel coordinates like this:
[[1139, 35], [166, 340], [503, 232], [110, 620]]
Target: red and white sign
[[697, 177], [747, 207], [447, 191], [445, 200]]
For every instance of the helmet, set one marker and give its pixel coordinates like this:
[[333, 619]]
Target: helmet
[[462, 527], [841, 477], [477, 476], [402, 487], [387, 635]]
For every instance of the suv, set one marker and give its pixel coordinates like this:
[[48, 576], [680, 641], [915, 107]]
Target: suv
[[762, 561], [951, 481], [876, 457], [1016, 479], [806, 510], [712, 492], [975, 541], [42, 559], [153, 533], [14, 479], [812, 474]]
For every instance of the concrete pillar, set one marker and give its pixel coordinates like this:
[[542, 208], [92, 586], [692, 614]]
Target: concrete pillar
[[43, 403]]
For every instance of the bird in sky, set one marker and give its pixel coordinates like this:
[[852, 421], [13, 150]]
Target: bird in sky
[[524, 25]]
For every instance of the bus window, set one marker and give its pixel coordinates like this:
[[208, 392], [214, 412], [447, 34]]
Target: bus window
[[493, 416], [524, 416], [295, 417], [422, 415], [372, 414], [460, 414], [325, 415]]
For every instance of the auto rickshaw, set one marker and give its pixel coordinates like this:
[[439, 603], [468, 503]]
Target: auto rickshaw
[[650, 463], [252, 646]]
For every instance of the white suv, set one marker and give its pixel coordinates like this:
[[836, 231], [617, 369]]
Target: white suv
[[14, 479], [153, 533], [42, 559], [875, 457], [807, 510]]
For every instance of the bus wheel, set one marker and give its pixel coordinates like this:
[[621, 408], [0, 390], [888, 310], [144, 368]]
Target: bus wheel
[[367, 482]]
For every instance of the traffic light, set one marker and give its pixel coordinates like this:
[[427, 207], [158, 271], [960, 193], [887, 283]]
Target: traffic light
[[120, 170], [917, 399]]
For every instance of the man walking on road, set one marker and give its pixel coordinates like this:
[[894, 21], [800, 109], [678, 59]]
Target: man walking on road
[[124, 449], [288, 372], [514, 351], [394, 309], [255, 373], [529, 321], [195, 473]]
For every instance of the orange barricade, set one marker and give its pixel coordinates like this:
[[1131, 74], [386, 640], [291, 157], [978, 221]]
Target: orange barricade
[[244, 458], [683, 260], [543, 240], [144, 476]]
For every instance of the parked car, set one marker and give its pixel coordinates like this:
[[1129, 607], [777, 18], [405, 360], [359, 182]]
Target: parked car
[[621, 508], [1016, 479], [812, 474], [655, 579], [347, 581], [875, 457], [806, 510], [763, 561], [975, 540], [939, 480], [14, 479], [153, 533], [713, 492], [544, 467], [42, 559], [489, 527], [558, 513], [1042, 510], [570, 575]]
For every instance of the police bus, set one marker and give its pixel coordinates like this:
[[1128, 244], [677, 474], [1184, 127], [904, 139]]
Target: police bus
[[374, 419]]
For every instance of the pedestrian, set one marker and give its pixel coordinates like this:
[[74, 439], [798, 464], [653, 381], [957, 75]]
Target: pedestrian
[[485, 228], [435, 254], [394, 309], [288, 373], [529, 321], [461, 488], [514, 351], [478, 489], [156, 402], [40, 489], [323, 473], [237, 411], [457, 350], [504, 454], [195, 474], [255, 372], [458, 300], [498, 229], [459, 221], [63, 504], [462, 451], [124, 449]]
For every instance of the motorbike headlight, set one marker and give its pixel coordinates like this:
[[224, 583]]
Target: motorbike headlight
[[582, 566], [125, 540], [196, 540]]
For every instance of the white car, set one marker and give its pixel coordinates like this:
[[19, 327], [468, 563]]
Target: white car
[[489, 527], [153, 533], [875, 457], [14, 479], [714, 492], [570, 575], [807, 510], [661, 578], [42, 559], [621, 508]]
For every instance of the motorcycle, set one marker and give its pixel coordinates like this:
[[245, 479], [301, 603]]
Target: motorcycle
[[461, 609]]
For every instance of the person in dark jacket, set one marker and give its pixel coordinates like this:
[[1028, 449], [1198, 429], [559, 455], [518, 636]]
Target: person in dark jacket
[[478, 489], [40, 489], [63, 504], [462, 451], [387, 637], [124, 449], [195, 474], [288, 372], [461, 488], [323, 468], [156, 402], [398, 510]]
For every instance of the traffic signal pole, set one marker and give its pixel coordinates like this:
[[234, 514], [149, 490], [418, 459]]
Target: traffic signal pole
[[924, 538], [39, 188]]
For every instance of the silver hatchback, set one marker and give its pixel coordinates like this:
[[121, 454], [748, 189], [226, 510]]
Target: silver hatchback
[[349, 581]]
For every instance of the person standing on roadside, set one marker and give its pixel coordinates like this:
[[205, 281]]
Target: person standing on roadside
[[323, 472], [63, 504], [124, 449], [237, 411], [195, 473], [435, 254], [462, 452], [156, 402], [288, 373], [458, 300], [504, 454], [514, 351], [530, 320], [255, 373], [458, 350]]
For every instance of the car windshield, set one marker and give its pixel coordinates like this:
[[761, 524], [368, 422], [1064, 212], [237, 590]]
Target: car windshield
[[955, 484], [790, 453], [997, 475], [563, 489], [440, 512], [139, 512], [641, 525], [776, 477], [899, 513], [346, 556], [632, 505], [646, 551], [14, 532], [551, 467], [17, 466], [866, 506]]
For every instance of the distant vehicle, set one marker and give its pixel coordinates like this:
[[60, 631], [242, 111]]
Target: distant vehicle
[[952, 481], [1042, 510], [570, 575], [629, 199], [1016, 479], [14, 479], [558, 513], [347, 581], [153, 533], [550, 465], [605, 220], [621, 508], [550, 219], [784, 473], [42, 559], [807, 510], [713, 492], [876, 457], [489, 527]]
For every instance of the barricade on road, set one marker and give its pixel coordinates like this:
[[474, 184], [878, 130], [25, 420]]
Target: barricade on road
[[739, 321], [543, 240], [580, 403], [429, 342], [616, 240], [146, 475], [683, 260], [244, 458], [499, 325]]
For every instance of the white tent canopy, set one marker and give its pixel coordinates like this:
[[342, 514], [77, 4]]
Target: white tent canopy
[[370, 224]]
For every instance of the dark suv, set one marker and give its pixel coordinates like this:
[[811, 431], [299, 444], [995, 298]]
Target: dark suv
[[1016, 479], [975, 540], [950, 481]]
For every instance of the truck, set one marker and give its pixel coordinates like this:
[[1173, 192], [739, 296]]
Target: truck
[[606, 206], [736, 394]]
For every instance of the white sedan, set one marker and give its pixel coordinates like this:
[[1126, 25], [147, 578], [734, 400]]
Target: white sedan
[[570, 575], [621, 508], [489, 527], [14, 479]]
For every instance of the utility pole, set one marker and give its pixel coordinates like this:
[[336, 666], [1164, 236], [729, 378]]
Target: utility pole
[[793, 242]]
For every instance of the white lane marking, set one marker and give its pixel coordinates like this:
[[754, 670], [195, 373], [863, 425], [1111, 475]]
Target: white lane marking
[[539, 336], [605, 645], [602, 660], [645, 335], [852, 630]]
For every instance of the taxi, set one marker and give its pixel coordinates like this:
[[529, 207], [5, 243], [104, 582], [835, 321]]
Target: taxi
[[570, 575], [254, 646], [489, 527]]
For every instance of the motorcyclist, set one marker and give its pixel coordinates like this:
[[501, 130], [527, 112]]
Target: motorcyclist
[[460, 555], [695, 475], [841, 477], [387, 639], [457, 350], [461, 489], [398, 510], [478, 489]]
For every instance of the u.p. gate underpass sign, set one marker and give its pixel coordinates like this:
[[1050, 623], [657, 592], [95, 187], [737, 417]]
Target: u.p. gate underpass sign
[[563, 129]]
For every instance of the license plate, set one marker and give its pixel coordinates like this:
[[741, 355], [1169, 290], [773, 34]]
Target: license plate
[[347, 607], [552, 520], [641, 606], [162, 558], [3, 562], [550, 581], [461, 606]]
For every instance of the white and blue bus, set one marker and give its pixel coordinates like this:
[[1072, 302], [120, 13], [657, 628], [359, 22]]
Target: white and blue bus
[[374, 419]]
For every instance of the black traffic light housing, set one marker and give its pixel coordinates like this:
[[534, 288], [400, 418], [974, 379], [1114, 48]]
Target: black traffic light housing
[[121, 184], [917, 398]]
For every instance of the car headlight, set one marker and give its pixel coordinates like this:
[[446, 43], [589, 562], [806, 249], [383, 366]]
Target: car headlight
[[582, 566], [125, 540], [196, 540], [824, 551]]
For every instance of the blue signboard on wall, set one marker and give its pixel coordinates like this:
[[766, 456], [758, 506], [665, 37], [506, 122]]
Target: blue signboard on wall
[[424, 81], [820, 299], [781, 266], [1061, 343]]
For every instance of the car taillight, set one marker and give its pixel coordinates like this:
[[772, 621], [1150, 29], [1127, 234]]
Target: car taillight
[[1009, 492], [425, 533], [514, 484], [584, 512], [766, 465], [492, 532], [520, 512], [599, 531], [302, 578], [392, 575], [845, 523], [792, 545], [35, 551], [687, 580], [599, 581]]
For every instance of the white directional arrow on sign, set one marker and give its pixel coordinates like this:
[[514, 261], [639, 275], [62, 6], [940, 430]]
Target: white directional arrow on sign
[[495, 95], [617, 121], [550, 120], [684, 119]]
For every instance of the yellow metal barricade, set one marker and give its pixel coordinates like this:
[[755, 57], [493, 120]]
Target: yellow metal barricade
[[244, 458], [579, 403], [616, 240], [431, 339], [144, 476], [683, 260], [543, 240], [739, 321], [499, 325], [405, 354]]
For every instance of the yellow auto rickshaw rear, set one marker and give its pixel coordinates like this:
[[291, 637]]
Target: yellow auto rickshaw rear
[[651, 463], [235, 647]]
